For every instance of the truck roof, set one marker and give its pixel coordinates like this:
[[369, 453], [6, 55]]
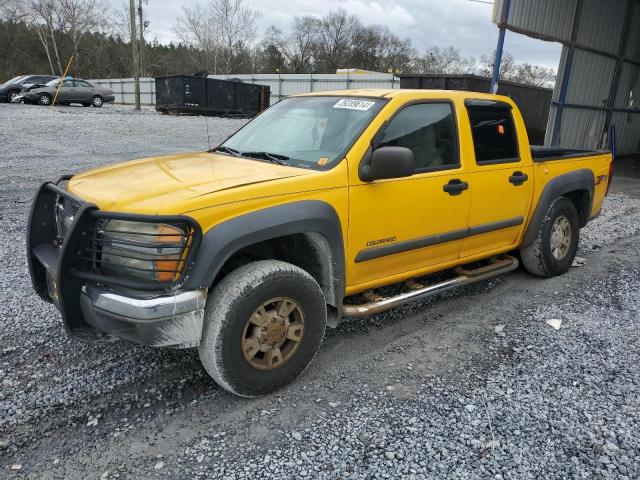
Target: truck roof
[[402, 92]]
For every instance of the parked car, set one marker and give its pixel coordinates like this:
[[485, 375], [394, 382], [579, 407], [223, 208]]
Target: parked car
[[13, 88], [73, 90], [248, 251]]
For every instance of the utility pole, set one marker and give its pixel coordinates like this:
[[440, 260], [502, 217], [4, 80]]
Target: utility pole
[[141, 44], [134, 52]]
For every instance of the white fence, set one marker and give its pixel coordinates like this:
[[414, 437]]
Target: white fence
[[281, 85]]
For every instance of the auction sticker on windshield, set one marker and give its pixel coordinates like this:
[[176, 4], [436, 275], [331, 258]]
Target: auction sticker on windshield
[[354, 104]]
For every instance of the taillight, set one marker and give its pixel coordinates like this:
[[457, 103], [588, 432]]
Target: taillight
[[611, 171]]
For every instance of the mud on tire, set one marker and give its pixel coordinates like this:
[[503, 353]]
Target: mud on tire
[[264, 292], [554, 248]]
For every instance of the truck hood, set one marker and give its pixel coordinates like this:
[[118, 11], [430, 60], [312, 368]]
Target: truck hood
[[148, 185]]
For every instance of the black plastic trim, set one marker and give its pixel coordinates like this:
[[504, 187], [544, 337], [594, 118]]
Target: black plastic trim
[[422, 242], [573, 155], [582, 179], [227, 238], [486, 103]]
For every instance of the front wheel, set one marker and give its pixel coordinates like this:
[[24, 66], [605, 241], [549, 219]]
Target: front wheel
[[264, 324], [554, 248], [11, 96]]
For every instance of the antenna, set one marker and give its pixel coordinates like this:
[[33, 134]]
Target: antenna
[[206, 121]]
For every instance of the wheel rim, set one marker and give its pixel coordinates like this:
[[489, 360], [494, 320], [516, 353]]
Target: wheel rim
[[45, 100], [560, 237], [12, 96], [273, 333], [97, 101]]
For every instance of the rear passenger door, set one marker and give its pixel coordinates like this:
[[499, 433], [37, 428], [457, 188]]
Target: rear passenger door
[[501, 184]]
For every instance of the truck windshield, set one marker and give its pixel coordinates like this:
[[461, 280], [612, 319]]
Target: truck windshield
[[310, 132]]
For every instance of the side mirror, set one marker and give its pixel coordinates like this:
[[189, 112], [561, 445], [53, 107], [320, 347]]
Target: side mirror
[[388, 162]]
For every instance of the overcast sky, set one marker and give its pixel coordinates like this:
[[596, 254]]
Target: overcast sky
[[465, 24]]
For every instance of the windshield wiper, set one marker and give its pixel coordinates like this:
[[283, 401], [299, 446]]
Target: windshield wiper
[[224, 149], [272, 157]]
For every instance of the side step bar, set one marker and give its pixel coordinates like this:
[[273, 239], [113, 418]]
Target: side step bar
[[496, 266]]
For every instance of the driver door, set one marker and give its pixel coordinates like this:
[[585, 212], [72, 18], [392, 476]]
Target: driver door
[[67, 91], [403, 225]]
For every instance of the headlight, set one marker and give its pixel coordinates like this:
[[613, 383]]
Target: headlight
[[140, 250]]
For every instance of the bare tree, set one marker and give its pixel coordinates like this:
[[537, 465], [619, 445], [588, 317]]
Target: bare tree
[[377, 48], [523, 73], [335, 39], [223, 29], [12, 13], [300, 46], [45, 18], [55, 20], [446, 60]]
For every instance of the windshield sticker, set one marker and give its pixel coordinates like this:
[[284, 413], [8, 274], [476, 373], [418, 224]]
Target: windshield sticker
[[354, 104]]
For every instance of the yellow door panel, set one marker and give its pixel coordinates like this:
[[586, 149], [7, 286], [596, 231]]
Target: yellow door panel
[[501, 175], [498, 207], [397, 225]]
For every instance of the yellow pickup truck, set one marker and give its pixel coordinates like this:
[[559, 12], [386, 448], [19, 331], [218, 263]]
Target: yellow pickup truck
[[250, 250]]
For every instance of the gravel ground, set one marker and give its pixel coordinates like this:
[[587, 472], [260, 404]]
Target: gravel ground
[[471, 384]]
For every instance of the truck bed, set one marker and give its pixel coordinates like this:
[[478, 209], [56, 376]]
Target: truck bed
[[541, 153]]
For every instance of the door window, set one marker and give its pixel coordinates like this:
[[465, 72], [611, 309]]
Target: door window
[[429, 130], [82, 83], [67, 83], [494, 135]]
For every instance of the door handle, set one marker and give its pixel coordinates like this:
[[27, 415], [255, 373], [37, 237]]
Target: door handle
[[518, 178], [455, 186]]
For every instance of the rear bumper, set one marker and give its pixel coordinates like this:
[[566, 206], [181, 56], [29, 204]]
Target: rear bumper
[[110, 98], [92, 305]]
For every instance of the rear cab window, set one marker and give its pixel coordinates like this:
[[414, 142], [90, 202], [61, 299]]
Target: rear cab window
[[493, 131]]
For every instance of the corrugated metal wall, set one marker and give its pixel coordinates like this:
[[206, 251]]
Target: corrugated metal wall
[[281, 85], [598, 82]]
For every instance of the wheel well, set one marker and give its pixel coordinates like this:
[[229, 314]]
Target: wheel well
[[582, 201], [309, 251]]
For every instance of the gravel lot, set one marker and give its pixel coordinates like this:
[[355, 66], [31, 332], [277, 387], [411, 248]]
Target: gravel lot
[[471, 384]]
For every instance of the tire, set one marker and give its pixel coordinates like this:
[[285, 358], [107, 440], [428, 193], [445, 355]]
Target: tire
[[227, 330], [12, 94], [44, 99], [97, 101], [552, 254]]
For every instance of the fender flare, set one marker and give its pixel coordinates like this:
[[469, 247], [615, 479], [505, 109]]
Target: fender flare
[[582, 179], [304, 217]]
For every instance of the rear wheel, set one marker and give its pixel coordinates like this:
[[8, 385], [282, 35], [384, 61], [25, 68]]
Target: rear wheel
[[264, 324], [44, 99], [554, 248], [97, 101]]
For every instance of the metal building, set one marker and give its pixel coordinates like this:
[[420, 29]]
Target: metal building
[[598, 84]]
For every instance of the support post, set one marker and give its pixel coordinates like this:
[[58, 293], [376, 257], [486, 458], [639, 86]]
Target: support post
[[134, 53], [566, 74], [497, 61]]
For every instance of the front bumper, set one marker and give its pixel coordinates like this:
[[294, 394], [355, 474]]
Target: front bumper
[[173, 320], [92, 305]]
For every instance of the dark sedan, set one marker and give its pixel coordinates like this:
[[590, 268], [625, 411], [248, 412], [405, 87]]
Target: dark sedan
[[73, 90], [12, 88]]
